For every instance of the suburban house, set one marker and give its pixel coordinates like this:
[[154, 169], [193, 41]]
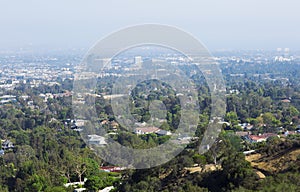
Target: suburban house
[[112, 169], [46, 96], [96, 140], [259, 138], [75, 124], [79, 122], [65, 94], [7, 144], [255, 138], [146, 130], [149, 130]]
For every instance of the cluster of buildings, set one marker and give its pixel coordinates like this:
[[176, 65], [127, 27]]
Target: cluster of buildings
[[281, 55], [34, 70], [252, 138], [7, 99], [46, 96], [247, 136]]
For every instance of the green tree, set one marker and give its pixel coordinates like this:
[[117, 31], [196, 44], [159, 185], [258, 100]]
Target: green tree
[[232, 118], [93, 183]]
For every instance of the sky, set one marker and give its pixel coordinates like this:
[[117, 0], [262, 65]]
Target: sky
[[218, 24]]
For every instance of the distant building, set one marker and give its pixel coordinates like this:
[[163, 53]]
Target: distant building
[[79, 122], [255, 138], [285, 101], [7, 99], [103, 62], [107, 62], [65, 94], [7, 144], [112, 169], [96, 140], [146, 130], [138, 61], [259, 138], [46, 96]]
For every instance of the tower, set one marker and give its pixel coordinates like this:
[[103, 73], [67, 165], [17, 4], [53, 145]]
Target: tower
[[138, 61]]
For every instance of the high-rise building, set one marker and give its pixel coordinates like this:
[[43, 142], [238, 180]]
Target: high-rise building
[[102, 62], [107, 63], [138, 61]]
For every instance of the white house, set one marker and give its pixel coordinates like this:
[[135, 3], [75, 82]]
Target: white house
[[96, 140]]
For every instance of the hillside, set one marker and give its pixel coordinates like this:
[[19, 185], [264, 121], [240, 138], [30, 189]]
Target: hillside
[[279, 162]]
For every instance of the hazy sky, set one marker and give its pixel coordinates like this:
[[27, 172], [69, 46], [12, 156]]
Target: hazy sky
[[219, 24]]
